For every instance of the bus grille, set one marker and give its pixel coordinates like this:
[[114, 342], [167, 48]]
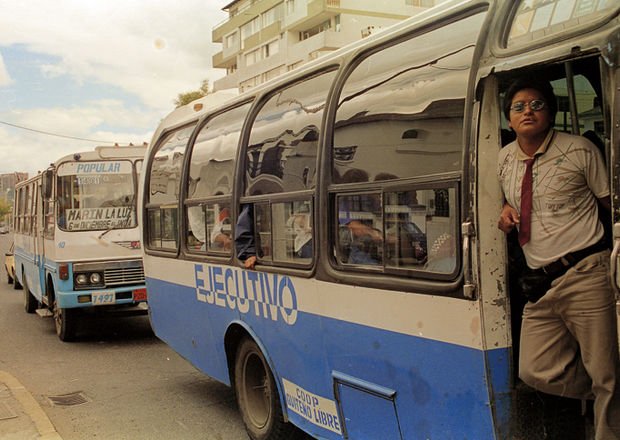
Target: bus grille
[[123, 275]]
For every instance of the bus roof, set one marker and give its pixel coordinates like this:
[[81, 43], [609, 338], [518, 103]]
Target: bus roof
[[105, 152], [197, 108]]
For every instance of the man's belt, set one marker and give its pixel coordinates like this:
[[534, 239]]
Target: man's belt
[[561, 265]]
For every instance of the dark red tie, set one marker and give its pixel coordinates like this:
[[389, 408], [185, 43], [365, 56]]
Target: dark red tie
[[526, 203]]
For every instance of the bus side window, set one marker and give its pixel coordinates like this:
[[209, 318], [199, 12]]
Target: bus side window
[[413, 229], [163, 227], [416, 134], [262, 231], [283, 232], [360, 229], [405, 225], [219, 228], [292, 229], [280, 162], [163, 190], [209, 186], [196, 230]]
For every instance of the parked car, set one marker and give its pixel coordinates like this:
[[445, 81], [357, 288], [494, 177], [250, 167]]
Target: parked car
[[9, 265], [4, 230]]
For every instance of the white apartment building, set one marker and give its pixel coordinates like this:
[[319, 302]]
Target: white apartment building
[[262, 39]]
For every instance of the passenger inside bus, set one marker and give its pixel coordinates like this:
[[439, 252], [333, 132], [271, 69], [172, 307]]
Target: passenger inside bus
[[405, 240], [301, 225], [196, 228], [360, 240], [245, 239], [220, 235]]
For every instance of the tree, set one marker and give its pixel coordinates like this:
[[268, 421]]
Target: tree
[[5, 209], [187, 97]]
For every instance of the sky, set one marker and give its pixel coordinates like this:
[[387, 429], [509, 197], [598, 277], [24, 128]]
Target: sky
[[96, 72]]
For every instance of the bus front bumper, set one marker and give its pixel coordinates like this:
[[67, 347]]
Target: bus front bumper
[[104, 297]]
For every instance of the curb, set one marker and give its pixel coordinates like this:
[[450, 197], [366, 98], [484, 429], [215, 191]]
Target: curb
[[31, 407]]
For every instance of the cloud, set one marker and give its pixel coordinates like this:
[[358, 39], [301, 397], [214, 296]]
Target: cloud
[[5, 79], [144, 52], [82, 128], [154, 50]]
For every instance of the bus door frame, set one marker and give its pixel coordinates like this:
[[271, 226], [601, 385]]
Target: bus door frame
[[614, 150]]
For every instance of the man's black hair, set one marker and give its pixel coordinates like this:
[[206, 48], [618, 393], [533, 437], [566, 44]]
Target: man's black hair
[[544, 87]]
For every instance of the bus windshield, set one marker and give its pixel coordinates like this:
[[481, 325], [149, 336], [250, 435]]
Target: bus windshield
[[96, 196]]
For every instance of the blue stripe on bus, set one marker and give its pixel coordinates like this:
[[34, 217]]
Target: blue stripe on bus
[[447, 383]]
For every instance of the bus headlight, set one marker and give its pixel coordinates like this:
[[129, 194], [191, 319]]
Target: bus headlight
[[88, 280]]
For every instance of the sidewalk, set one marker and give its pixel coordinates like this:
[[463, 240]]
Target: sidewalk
[[21, 416]]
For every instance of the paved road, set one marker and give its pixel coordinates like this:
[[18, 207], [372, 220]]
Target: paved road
[[133, 385]]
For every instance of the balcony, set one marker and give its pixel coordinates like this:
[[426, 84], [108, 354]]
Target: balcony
[[236, 21], [315, 12], [320, 11], [246, 72], [324, 41], [230, 81], [264, 35], [219, 61], [318, 6], [232, 50], [227, 57]]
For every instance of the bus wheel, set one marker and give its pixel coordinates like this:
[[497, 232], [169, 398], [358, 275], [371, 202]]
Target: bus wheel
[[257, 395], [65, 321], [30, 303]]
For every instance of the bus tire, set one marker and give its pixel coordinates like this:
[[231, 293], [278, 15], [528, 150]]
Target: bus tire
[[16, 284], [65, 321], [257, 395], [30, 302]]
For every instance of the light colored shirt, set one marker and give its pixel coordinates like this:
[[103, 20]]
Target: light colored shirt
[[569, 174], [301, 229]]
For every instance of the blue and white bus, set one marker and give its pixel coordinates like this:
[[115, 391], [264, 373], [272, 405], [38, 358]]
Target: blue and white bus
[[409, 330], [77, 242]]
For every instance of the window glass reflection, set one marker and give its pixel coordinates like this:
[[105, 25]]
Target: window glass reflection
[[219, 227], [360, 226], [282, 150], [213, 156], [164, 182], [210, 228], [407, 117], [292, 231], [262, 222], [413, 229], [163, 228]]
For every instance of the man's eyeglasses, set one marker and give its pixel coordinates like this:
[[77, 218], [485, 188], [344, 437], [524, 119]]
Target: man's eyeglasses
[[535, 105]]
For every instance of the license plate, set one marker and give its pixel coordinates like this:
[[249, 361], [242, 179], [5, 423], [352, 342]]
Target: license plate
[[101, 298], [139, 295]]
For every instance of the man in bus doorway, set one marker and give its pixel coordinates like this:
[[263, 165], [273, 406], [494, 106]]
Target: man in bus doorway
[[553, 182]]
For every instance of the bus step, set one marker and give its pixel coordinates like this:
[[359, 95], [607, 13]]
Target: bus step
[[44, 313]]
